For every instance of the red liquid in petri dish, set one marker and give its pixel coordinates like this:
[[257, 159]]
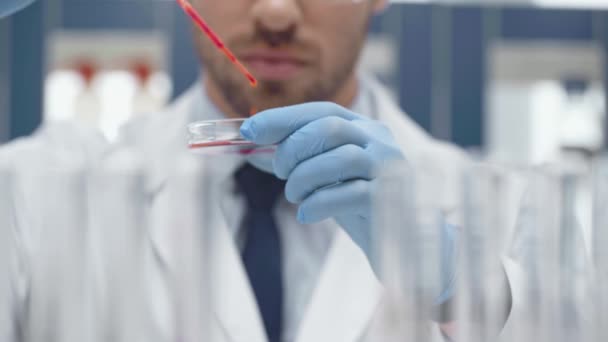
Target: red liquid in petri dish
[[240, 147], [187, 7]]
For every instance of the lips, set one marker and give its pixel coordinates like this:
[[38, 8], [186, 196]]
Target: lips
[[273, 65]]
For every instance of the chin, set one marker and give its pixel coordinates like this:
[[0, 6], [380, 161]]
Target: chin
[[282, 95], [277, 102]]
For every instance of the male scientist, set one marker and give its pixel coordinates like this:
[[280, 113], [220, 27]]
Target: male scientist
[[292, 252], [296, 267]]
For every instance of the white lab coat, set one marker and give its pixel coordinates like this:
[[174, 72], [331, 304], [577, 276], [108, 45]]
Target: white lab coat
[[346, 304], [54, 145]]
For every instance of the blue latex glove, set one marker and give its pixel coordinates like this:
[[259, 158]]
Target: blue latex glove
[[329, 156]]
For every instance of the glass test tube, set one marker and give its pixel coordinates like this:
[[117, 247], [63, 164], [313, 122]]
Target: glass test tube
[[537, 250], [407, 228], [600, 214], [481, 299], [576, 300], [599, 242], [192, 196], [6, 254], [58, 301], [117, 206]]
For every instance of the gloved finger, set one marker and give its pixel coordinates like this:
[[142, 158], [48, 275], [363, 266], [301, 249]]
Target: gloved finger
[[313, 139], [352, 198], [347, 162], [273, 125]]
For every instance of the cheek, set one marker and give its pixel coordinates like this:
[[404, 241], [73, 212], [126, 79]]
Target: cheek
[[222, 16], [340, 35]]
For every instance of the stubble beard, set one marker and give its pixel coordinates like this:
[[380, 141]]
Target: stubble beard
[[245, 100]]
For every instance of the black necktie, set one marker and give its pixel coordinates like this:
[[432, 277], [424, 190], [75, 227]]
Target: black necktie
[[262, 250]]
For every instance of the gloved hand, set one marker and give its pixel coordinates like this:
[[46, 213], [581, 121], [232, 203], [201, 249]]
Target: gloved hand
[[329, 156]]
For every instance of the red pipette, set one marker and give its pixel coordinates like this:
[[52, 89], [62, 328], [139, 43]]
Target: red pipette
[[216, 40]]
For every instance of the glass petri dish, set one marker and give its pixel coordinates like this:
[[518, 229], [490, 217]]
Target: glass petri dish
[[221, 137]]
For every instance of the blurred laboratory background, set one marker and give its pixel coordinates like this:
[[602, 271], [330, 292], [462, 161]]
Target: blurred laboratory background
[[524, 83], [519, 82]]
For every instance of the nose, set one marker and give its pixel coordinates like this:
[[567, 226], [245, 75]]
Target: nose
[[277, 15]]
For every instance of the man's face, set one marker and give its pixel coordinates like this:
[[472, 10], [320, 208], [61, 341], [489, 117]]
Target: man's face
[[299, 50]]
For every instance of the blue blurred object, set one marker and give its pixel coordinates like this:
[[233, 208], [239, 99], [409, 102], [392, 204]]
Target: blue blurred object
[[8, 7]]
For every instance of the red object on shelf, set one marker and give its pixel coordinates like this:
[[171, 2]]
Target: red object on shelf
[[142, 71], [87, 71]]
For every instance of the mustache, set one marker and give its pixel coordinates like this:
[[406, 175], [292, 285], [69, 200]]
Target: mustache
[[276, 38], [283, 40]]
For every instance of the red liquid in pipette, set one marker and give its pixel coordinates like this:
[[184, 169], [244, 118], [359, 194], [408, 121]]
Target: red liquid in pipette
[[216, 40]]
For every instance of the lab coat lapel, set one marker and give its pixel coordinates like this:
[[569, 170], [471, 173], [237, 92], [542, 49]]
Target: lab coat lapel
[[346, 297], [234, 304], [233, 299], [159, 138]]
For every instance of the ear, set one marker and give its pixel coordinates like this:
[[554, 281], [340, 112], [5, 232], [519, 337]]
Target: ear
[[380, 5]]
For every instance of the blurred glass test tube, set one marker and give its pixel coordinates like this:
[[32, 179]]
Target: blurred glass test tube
[[544, 249], [522, 250], [600, 214], [6, 249], [193, 203], [599, 243], [576, 269], [543, 227], [407, 225], [482, 292], [59, 309], [117, 222]]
